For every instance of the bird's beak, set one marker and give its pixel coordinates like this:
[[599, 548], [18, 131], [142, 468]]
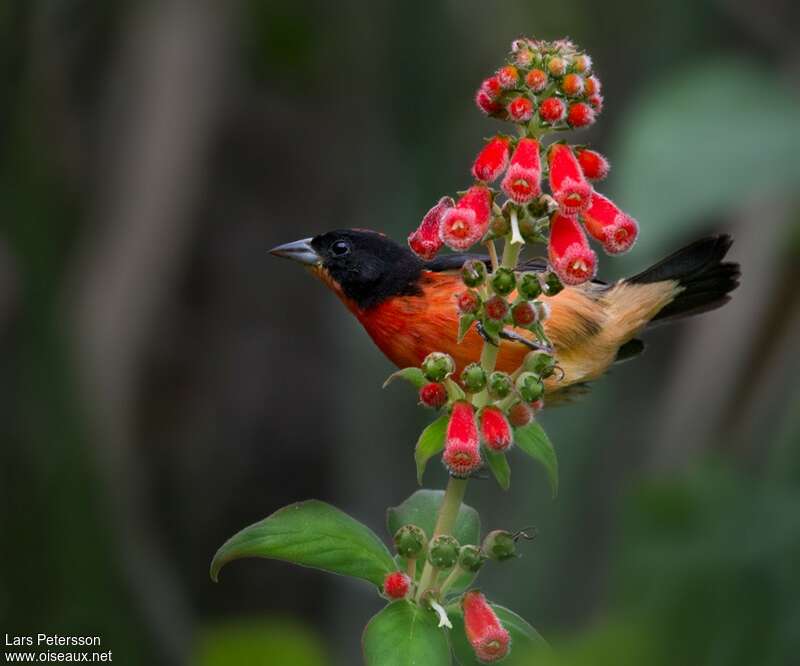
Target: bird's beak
[[300, 251]]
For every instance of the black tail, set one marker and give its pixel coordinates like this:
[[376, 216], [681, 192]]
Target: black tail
[[699, 268]]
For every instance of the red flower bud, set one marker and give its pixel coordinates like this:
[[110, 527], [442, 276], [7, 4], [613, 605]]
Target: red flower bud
[[572, 85], [523, 56], [487, 636], [492, 87], [521, 182], [492, 160], [592, 86], [580, 115], [520, 109], [496, 308], [433, 395], [507, 76], [468, 302], [425, 242], [552, 110], [466, 224], [461, 447], [486, 96], [524, 314], [567, 182], [495, 430], [596, 102], [396, 585], [608, 224], [536, 80], [593, 164], [569, 252], [520, 414]]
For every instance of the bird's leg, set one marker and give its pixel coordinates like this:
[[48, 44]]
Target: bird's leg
[[516, 337]]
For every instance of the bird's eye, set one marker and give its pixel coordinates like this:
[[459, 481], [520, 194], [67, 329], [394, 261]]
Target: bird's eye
[[340, 248]]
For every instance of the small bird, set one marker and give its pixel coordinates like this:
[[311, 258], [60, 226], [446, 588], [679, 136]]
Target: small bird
[[407, 306]]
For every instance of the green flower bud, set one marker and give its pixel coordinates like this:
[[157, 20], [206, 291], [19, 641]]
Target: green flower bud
[[540, 363], [500, 226], [539, 208], [410, 541], [499, 545], [470, 558], [529, 230], [473, 272], [529, 286], [473, 378], [437, 366], [553, 284], [443, 551], [504, 281], [500, 385], [530, 386]]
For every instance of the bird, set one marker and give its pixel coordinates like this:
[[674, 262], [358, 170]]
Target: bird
[[407, 305]]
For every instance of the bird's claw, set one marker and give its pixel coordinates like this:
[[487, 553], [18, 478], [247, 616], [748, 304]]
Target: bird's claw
[[532, 344]]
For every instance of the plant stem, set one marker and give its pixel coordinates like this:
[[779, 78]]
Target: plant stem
[[493, 254]]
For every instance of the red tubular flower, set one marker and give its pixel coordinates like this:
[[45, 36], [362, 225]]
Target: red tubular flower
[[425, 242], [433, 394], [536, 80], [569, 252], [396, 585], [608, 224], [521, 182], [487, 636], [593, 164], [492, 160], [520, 109], [507, 76], [462, 454], [495, 429], [580, 115], [570, 189], [466, 224], [552, 110]]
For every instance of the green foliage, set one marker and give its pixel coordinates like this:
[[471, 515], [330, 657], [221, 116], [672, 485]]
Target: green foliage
[[421, 509], [403, 634], [414, 376], [430, 442], [533, 440], [499, 466], [311, 534]]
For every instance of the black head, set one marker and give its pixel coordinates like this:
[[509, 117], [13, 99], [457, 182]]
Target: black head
[[366, 266]]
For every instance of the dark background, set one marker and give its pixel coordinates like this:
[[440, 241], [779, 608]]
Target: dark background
[[164, 381]]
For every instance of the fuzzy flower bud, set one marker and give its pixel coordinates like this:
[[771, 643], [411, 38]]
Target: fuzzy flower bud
[[461, 448], [580, 115], [492, 160], [536, 80], [523, 314], [500, 385], [396, 585], [572, 85], [529, 286], [540, 363], [500, 226], [529, 386], [473, 378], [520, 109], [487, 636], [486, 96], [465, 225], [495, 429], [507, 76], [437, 366], [552, 110], [443, 551], [470, 558], [521, 182], [468, 302], [593, 164], [410, 541], [569, 252], [473, 272], [557, 66], [608, 224], [433, 395], [596, 102], [553, 284], [503, 281], [582, 63], [425, 242], [570, 189], [499, 545], [592, 86], [520, 414], [496, 308]]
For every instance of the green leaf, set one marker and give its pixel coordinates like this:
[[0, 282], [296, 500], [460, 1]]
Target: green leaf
[[465, 322], [403, 634], [413, 375], [454, 391], [525, 640], [430, 442], [533, 440], [422, 508], [311, 534], [499, 465]]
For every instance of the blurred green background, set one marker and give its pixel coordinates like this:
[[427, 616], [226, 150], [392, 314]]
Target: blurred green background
[[165, 382]]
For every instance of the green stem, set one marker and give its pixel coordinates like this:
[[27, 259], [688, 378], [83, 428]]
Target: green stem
[[451, 578], [453, 496]]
